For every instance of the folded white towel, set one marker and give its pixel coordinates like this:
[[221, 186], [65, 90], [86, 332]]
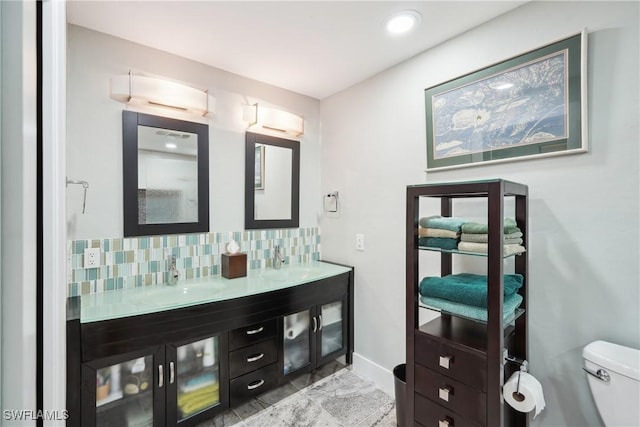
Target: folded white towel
[[437, 232], [484, 248]]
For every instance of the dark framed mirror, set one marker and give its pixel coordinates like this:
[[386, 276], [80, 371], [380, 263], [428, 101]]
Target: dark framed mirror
[[272, 182], [165, 175]]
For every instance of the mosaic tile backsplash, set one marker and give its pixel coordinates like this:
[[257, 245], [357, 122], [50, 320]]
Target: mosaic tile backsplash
[[140, 261]]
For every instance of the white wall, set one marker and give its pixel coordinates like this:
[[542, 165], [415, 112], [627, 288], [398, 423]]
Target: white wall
[[94, 132], [583, 241]]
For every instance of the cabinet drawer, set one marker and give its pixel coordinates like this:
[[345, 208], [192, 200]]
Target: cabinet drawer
[[250, 358], [253, 384], [460, 398], [453, 361], [430, 414], [248, 335]]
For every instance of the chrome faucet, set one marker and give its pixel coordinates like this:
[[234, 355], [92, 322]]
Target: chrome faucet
[[173, 271], [278, 259]]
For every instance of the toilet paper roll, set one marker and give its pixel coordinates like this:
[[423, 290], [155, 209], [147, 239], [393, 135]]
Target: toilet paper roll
[[526, 396], [209, 355], [295, 324]]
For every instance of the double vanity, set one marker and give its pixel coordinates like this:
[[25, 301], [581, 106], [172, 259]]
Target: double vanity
[[160, 355], [167, 355]]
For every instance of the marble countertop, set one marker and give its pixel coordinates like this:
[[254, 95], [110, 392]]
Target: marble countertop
[[151, 299]]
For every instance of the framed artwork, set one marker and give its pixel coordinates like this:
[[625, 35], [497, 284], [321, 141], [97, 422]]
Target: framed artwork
[[532, 105], [259, 175]]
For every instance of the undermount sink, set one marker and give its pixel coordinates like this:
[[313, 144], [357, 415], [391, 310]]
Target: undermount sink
[[179, 294], [286, 273]]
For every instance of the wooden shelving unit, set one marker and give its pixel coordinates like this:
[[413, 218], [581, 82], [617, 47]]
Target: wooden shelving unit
[[468, 390]]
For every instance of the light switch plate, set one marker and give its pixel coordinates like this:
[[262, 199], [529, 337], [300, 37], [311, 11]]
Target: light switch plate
[[360, 242], [92, 257]]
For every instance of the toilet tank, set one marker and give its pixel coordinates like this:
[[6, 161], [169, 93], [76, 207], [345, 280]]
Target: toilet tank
[[616, 399]]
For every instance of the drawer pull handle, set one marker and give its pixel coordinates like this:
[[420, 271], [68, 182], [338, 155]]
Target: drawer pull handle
[[255, 358], [255, 331], [444, 392], [172, 373], [445, 423], [254, 385], [445, 361], [160, 376]]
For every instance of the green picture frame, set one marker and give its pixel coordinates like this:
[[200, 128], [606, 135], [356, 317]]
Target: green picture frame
[[532, 105]]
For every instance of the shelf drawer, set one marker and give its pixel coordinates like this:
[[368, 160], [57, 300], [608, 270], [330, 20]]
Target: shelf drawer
[[253, 384], [430, 414], [248, 335], [454, 395], [250, 358], [453, 361]]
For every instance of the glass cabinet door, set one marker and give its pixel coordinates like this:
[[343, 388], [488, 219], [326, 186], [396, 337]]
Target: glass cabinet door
[[197, 377], [297, 343], [125, 394], [331, 327]]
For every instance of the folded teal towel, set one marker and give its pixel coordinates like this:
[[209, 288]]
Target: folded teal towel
[[467, 288], [439, 242], [442, 222], [510, 226], [509, 306]]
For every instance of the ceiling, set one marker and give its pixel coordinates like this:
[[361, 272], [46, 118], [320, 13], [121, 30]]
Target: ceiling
[[316, 48]]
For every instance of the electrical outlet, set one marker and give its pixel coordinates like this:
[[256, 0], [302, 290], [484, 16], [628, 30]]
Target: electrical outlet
[[360, 242], [91, 257]]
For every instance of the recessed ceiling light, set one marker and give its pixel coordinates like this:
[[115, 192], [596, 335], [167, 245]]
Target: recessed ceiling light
[[403, 22], [170, 145]]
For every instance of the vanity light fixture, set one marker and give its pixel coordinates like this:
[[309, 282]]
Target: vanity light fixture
[[273, 119], [144, 91], [403, 22]]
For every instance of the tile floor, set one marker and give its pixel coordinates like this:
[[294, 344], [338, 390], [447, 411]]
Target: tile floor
[[332, 396]]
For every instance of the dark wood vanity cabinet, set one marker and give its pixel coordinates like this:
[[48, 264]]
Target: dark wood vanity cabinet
[[182, 366], [253, 358], [315, 336], [140, 391], [455, 365], [171, 384]]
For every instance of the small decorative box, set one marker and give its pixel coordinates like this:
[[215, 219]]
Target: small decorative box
[[234, 265]]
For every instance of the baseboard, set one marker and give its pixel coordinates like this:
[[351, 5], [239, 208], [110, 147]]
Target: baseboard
[[382, 377]]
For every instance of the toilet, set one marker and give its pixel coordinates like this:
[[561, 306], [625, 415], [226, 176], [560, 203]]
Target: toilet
[[614, 378]]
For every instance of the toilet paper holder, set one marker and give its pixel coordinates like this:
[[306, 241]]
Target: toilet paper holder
[[524, 367]]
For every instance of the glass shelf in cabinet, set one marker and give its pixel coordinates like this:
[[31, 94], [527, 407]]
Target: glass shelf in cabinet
[[127, 399], [110, 398], [507, 321], [205, 378], [136, 411], [455, 251], [331, 338]]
